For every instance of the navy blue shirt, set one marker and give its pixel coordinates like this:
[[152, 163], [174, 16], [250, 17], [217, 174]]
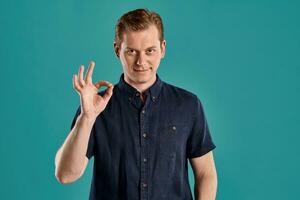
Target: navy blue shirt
[[141, 149]]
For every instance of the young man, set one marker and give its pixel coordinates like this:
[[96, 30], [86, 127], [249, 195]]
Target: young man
[[140, 131]]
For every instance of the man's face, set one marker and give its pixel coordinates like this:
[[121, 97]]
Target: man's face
[[140, 54]]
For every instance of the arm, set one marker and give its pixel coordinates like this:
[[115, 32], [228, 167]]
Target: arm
[[205, 177], [70, 160]]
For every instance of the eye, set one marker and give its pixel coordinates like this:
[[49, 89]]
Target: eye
[[131, 52], [151, 51]]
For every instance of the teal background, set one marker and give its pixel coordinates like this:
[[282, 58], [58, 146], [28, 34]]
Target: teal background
[[240, 57]]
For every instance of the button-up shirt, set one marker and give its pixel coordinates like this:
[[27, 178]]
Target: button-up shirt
[[140, 148]]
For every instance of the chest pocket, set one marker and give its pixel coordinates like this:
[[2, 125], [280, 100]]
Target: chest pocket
[[172, 144], [172, 137]]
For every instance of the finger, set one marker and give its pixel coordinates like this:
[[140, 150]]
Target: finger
[[108, 93], [88, 76], [80, 75], [102, 83], [109, 89], [76, 83]]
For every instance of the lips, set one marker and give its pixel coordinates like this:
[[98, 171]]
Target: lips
[[140, 70]]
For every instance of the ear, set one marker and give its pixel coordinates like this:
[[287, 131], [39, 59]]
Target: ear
[[163, 48], [117, 50]]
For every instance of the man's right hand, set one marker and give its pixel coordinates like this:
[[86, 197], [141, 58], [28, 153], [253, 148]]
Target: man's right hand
[[91, 103]]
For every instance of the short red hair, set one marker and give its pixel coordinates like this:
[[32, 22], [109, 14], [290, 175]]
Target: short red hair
[[137, 20]]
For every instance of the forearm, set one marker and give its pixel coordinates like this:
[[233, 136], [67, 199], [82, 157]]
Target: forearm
[[70, 158], [206, 187]]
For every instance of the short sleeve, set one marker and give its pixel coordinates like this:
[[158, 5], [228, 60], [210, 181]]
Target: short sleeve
[[200, 141], [90, 149]]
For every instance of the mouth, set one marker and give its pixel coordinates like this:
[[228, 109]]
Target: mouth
[[140, 70]]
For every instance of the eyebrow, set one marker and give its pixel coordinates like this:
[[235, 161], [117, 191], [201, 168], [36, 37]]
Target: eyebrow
[[152, 47]]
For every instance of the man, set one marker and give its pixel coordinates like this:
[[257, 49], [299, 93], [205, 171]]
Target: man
[[140, 131]]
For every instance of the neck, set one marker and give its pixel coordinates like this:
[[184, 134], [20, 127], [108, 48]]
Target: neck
[[141, 87]]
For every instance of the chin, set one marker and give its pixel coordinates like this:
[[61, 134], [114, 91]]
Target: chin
[[141, 78]]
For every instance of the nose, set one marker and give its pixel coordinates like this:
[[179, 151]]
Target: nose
[[141, 60]]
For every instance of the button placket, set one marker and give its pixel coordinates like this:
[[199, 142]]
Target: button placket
[[144, 140]]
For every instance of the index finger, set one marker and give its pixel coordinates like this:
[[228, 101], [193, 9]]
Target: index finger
[[88, 76], [103, 83]]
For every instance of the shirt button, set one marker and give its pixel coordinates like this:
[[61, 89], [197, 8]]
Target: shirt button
[[143, 111], [145, 135], [145, 185], [145, 159], [174, 128], [137, 94]]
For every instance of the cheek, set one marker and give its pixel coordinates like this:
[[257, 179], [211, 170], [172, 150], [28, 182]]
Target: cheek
[[130, 61], [126, 60], [155, 60]]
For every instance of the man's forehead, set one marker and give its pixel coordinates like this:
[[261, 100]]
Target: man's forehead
[[146, 47], [132, 39], [144, 43], [145, 38]]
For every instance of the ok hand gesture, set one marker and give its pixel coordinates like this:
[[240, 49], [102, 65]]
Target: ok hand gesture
[[91, 103]]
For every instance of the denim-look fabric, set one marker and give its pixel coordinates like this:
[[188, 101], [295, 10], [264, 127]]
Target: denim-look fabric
[[141, 149]]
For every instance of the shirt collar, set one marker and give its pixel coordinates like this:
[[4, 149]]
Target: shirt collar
[[154, 89]]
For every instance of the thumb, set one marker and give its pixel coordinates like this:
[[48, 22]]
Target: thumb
[[108, 92]]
